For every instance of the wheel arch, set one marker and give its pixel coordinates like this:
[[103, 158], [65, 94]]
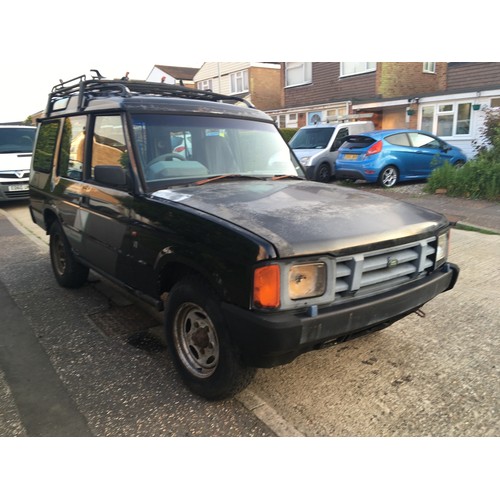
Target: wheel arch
[[171, 271], [49, 217]]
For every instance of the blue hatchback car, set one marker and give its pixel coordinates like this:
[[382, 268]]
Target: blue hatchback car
[[390, 156]]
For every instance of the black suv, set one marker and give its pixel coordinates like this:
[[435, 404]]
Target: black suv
[[193, 201]]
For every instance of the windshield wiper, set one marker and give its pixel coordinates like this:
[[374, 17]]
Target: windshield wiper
[[227, 176], [286, 176]]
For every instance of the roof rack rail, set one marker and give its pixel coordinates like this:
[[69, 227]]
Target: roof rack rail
[[98, 86]]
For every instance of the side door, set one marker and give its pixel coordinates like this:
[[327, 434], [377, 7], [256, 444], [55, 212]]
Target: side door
[[68, 184], [428, 151], [105, 208]]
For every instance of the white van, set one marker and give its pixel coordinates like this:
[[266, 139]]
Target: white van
[[316, 146], [16, 147]]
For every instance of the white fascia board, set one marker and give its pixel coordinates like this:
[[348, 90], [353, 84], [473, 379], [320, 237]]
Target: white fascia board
[[265, 65], [381, 104]]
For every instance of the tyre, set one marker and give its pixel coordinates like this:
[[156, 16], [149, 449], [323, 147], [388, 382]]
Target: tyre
[[459, 164], [323, 173], [388, 177], [200, 344], [68, 272]]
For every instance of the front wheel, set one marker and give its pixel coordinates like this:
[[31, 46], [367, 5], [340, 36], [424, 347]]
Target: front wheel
[[323, 173], [200, 344], [67, 271], [388, 177]]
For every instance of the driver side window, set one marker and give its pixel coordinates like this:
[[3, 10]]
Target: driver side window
[[108, 143]]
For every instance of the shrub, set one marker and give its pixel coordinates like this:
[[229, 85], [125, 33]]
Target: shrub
[[478, 178], [288, 133]]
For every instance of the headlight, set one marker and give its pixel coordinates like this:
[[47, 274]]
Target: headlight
[[307, 280], [442, 248], [304, 161]]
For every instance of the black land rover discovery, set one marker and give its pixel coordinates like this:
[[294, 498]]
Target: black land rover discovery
[[193, 201]]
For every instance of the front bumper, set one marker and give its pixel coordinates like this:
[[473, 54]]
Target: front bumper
[[273, 339], [7, 195]]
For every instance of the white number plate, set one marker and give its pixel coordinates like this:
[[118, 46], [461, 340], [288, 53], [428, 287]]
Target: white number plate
[[19, 187]]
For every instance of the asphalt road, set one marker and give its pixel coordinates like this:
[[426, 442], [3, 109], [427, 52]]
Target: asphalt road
[[436, 375]]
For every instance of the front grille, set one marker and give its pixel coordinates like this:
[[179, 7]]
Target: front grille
[[16, 194], [12, 174], [374, 272]]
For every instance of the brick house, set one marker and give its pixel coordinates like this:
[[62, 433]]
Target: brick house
[[447, 99], [259, 83]]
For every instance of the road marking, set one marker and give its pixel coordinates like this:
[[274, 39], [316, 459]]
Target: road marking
[[267, 414]]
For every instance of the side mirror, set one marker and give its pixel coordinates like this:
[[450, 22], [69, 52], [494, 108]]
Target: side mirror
[[111, 175]]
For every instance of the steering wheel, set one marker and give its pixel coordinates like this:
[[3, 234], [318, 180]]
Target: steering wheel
[[166, 157]]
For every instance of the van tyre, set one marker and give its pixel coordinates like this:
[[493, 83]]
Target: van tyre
[[68, 272], [323, 173], [199, 342], [388, 177]]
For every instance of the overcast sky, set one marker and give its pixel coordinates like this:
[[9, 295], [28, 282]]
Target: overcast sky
[[46, 41]]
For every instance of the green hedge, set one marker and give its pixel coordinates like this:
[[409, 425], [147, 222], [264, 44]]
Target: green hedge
[[288, 133]]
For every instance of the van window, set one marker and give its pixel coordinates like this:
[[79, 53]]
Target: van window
[[341, 135], [312, 138]]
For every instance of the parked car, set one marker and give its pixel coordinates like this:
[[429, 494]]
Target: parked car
[[252, 263], [16, 146], [390, 156], [316, 146]]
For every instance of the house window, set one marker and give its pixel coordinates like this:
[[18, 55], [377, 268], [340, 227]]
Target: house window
[[239, 82], [333, 115], [355, 68], [204, 85], [429, 67], [495, 102], [447, 120], [427, 118], [463, 119], [298, 73], [292, 120]]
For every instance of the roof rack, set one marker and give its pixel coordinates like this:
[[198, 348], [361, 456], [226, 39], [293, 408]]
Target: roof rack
[[98, 86]]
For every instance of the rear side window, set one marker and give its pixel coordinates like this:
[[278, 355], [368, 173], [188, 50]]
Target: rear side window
[[358, 142], [398, 140], [43, 158], [72, 147]]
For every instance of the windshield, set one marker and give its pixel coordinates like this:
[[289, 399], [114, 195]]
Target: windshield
[[312, 138], [17, 140], [175, 149]]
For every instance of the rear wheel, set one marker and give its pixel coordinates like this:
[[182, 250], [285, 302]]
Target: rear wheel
[[67, 271], [200, 344], [459, 164], [388, 177]]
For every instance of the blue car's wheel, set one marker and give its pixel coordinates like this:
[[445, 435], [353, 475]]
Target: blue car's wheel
[[388, 177]]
